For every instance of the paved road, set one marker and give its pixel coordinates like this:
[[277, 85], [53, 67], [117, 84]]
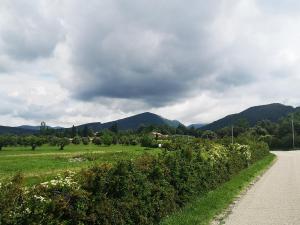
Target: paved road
[[275, 198]]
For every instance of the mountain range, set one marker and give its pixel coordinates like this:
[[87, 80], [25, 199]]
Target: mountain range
[[133, 122], [272, 112]]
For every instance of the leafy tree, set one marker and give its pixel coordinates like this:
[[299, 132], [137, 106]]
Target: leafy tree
[[107, 139], [115, 139], [85, 132], [85, 140], [3, 142], [208, 134], [76, 140], [133, 141], [258, 131], [74, 132], [147, 141], [97, 141], [33, 141], [62, 142], [90, 132], [181, 129]]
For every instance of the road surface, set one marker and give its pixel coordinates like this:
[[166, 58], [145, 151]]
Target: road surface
[[275, 198]]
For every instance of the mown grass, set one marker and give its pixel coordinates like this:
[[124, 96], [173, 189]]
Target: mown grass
[[46, 161], [203, 209]]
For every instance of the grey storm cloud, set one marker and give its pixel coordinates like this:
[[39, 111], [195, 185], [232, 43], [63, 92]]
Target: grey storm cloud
[[157, 52], [154, 52]]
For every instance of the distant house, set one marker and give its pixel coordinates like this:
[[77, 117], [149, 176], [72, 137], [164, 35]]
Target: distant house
[[159, 135]]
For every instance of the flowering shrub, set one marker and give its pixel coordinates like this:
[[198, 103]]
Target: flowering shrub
[[142, 191]]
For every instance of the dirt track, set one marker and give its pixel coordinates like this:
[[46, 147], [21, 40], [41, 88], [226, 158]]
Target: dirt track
[[275, 198]]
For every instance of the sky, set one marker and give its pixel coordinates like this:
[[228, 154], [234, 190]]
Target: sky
[[71, 61]]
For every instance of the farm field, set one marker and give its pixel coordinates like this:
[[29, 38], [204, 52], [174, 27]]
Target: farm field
[[47, 161]]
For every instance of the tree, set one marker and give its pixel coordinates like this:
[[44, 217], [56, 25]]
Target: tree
[[43, 127], [97, 141], [181, 129], [85, 132], [208, 134], [62, 142], [74, 132], [33, 141], [147, 141], [3, 142], [85, 140], [107, 139], [76, 140], [91, 132]]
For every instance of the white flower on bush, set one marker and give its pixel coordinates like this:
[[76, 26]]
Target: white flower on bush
[[40, 198], [60, 181], [27, 210], [243, 150]]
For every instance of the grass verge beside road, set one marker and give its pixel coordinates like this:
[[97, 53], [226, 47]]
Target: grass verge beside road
[[203, 209]]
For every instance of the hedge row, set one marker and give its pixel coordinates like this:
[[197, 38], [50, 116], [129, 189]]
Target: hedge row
[[142, 191]]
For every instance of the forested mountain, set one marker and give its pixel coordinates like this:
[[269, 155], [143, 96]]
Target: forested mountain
[[272, 112], [133, 122]]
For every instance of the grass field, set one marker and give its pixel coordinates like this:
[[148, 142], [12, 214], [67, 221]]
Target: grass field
[[203, 209], [47, 161]]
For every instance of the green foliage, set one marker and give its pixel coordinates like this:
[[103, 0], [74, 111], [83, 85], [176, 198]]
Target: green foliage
[[107, 139], [85, 140], [76, 140], [203, 209], [97, 141], [61, 142], [148, 141], [141, 191], [208, 134], [4, 141], [33, 141], [74, 132]]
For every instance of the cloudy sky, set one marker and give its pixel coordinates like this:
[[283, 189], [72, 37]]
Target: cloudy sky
[[72, 61]]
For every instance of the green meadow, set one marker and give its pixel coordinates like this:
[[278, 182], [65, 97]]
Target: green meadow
[[47, 161]]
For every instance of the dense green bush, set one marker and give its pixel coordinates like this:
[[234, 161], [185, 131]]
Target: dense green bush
[[142, 191], [76, 140], [85, 140], [147, 141], [107, 139], [97, 141]]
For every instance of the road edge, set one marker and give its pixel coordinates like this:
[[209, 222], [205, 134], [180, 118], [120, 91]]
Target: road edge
[[220, 218]]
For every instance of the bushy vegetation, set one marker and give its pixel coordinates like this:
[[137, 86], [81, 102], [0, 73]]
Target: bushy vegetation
[[140, 191]]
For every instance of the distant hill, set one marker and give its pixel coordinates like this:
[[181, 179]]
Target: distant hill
[[24, 129], [272, 112], [15, 130], [133, 122], [197, 125], [36, 128], [96, 126]]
